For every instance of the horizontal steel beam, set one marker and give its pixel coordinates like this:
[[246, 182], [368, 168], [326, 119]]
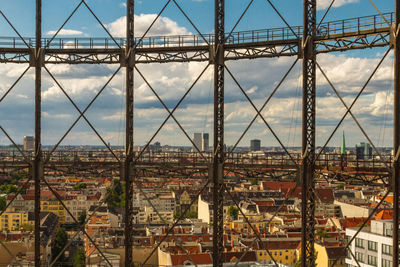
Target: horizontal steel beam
[[349, 34]]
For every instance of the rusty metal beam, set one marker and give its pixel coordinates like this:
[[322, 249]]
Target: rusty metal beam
[[37, 163], [218, 148], [396, 134], [129, 63], [308, 133]]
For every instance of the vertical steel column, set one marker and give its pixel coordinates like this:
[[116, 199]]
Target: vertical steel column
[[308, 133], [37, 163], [218, 160], [130, 61], [396, 134]]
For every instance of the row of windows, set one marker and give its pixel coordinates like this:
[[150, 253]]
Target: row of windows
[[386, 249]]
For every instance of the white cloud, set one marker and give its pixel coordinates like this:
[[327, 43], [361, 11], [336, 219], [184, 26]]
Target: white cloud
[[65, 32], [163, 26], [323, 4]]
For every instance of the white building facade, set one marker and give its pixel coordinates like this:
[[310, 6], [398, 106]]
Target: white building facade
[[372, 246]]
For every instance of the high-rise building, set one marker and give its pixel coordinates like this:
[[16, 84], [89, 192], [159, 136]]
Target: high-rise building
[[255, 145], [197, 140], [205, 142], [29, 143], [363, 151]]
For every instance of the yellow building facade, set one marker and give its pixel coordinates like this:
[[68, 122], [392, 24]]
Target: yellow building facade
[[55, 207], [11, 221], [327, 256], [260, 225], [283, 256]]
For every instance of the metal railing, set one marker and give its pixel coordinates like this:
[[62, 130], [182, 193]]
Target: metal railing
[[268, 159], [326, 30]]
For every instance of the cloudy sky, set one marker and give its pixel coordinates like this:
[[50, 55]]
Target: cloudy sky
[[348, 72]]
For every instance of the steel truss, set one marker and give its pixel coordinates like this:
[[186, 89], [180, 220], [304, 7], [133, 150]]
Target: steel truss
[[303, 42]]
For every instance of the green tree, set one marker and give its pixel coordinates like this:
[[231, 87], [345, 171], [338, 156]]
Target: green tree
[[3, 203], [80, 186], [59, 243], [322, 233], [27, 227], [79, 258], [82, 217], [233, 212], [254, 182], [8, 188], [116, 194], [188, 215]]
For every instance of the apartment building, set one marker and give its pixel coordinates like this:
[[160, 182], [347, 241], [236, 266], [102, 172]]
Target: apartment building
[[161, 202], [21, 203], [11, 221], [372, 246]]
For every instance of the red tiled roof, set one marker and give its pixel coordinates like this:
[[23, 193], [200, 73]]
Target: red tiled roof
[[276, 185], [351, 222], [279, 244], [325, 194], [384, 215]]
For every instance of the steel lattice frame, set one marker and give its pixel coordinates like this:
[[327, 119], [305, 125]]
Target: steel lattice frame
[[216, 49], [308, 133]]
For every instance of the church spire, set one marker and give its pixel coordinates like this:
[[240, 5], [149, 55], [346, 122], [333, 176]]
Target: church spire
[[343, 147]]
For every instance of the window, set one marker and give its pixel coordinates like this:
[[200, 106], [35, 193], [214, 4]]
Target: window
[[359, 243], [372, 245], [359, 256], [389, 232], [387, 249], [372, 260], [386, 263]]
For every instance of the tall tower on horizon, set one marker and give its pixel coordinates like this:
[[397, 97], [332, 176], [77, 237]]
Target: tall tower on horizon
[[343, 147]]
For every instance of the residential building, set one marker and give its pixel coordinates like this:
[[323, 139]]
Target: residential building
[[372, 246], [329, 210], [49, 225], [161, 202], [11, 221], [205, 210], [330, 256], [53, 205], [149, 215], [183, 201], [79, 203], [282, 250], [21, 203]]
